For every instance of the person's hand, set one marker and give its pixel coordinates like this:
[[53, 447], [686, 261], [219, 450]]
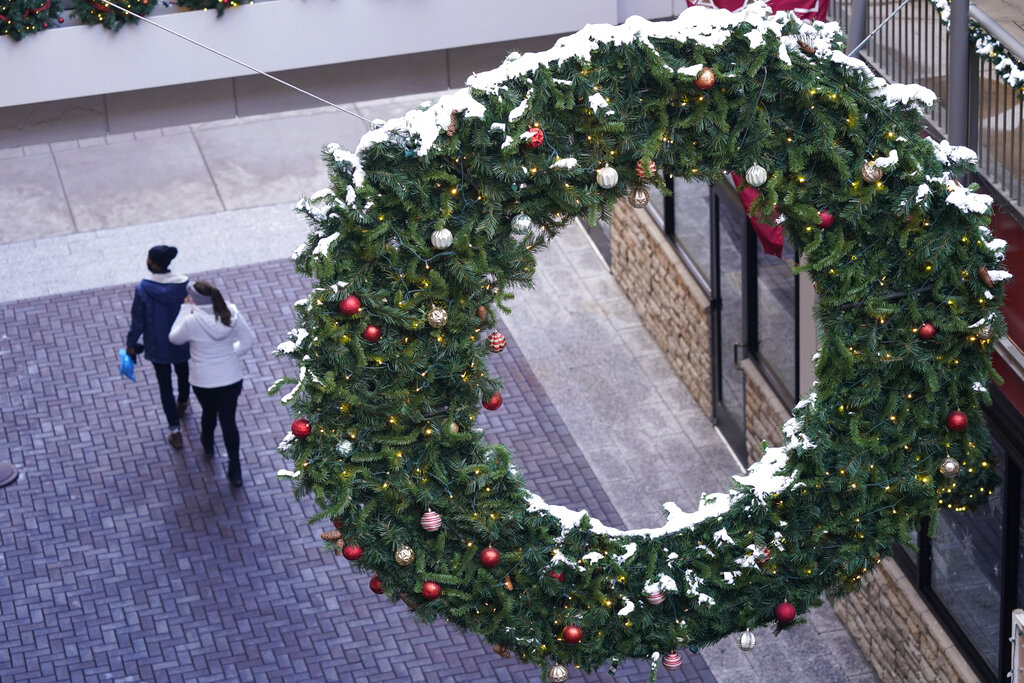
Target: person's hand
[[188, 299], [131, 353]]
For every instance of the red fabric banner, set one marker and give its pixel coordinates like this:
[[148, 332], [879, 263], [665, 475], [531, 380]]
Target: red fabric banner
[[808, 10], [770, 234]]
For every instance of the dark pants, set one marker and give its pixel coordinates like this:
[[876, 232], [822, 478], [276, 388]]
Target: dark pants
[[163, 376], [219, 403]]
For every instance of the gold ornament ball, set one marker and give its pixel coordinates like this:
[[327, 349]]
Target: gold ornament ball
[[404, 556], [453, 428], [638, 198], [706, 79], [985, 332], [437, 317], [558, 674], [949, 467], [747, 640], [870, 173]]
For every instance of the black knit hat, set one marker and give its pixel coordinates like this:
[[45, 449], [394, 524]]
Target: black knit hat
[[162, 255]]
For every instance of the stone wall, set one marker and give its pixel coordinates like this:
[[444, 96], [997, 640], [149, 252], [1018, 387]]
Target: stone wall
[[764, 414], [897, 632], [670, 303]]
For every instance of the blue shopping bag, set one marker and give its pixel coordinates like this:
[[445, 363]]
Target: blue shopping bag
[[127, 365]]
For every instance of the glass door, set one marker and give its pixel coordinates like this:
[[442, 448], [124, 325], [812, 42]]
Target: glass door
[[729, 256]]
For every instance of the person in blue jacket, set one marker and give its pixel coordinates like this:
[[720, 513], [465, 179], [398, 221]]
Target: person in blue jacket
[[157, 300]]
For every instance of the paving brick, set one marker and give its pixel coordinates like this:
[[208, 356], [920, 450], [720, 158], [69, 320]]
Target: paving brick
[[124, 559]]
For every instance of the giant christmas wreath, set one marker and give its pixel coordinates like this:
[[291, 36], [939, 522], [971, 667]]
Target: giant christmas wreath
[[434, 219]]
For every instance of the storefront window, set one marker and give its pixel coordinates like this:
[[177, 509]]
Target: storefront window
[[966, 558], [691, 226], [776, 321]]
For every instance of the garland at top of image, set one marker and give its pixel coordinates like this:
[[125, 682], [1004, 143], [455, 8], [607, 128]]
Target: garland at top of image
[[1008, 66], [428, 227]]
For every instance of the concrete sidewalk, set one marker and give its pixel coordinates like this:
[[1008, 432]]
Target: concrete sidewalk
[[81, 215]]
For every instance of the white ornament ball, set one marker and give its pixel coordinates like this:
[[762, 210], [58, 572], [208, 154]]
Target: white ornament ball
[[607, 177], [756, 175], [521, 224], [747, 641], [430, 521], [638, 198], [558, 674], [442, 239], [672, 661]]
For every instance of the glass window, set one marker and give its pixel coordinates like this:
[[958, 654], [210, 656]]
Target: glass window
[[966, 561], [776, 320], [692, 219]]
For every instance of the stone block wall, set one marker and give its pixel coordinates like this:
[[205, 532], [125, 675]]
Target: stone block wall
[[671, 305], [764, 414], [897, 632]]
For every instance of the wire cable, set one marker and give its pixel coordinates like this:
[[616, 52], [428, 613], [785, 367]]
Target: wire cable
[[236, 61]]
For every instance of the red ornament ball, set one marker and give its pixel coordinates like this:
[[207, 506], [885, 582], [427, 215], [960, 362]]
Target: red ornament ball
[[490, 557], [496, 340], [957, 421], [371, 333], [572, 634], [785, 613], [826, 219], [352, 552], [926, 331], [557, 576], [430, 521], [375, 585], [672, 661], [349, 305], [431, 590], [301, 428], [536, 137], [494, 402], [655, 597], [338, 524]]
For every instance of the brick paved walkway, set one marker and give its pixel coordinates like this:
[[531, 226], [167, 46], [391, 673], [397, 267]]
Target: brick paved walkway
[[122, 559]]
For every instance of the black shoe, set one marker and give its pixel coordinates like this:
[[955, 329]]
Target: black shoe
[[208, 451], [235, 474]]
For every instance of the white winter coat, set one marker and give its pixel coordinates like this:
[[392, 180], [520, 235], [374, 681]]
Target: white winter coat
[[215, 347]]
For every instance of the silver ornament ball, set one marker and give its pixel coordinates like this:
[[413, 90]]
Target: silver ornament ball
[[607, 177], [638, 198], [747, 641], [558, 674], [442, 239], [756, 175], [521, 224], [949, 467]]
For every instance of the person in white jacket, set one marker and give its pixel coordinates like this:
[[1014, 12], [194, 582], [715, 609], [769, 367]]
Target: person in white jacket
[[217, 334]]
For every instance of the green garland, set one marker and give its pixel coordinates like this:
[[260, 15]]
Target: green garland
[[219, 5], [1008, 65], [19, 18], [430, 225], [99, 12]]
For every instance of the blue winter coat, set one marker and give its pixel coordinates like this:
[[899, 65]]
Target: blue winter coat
[[157, 300]]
